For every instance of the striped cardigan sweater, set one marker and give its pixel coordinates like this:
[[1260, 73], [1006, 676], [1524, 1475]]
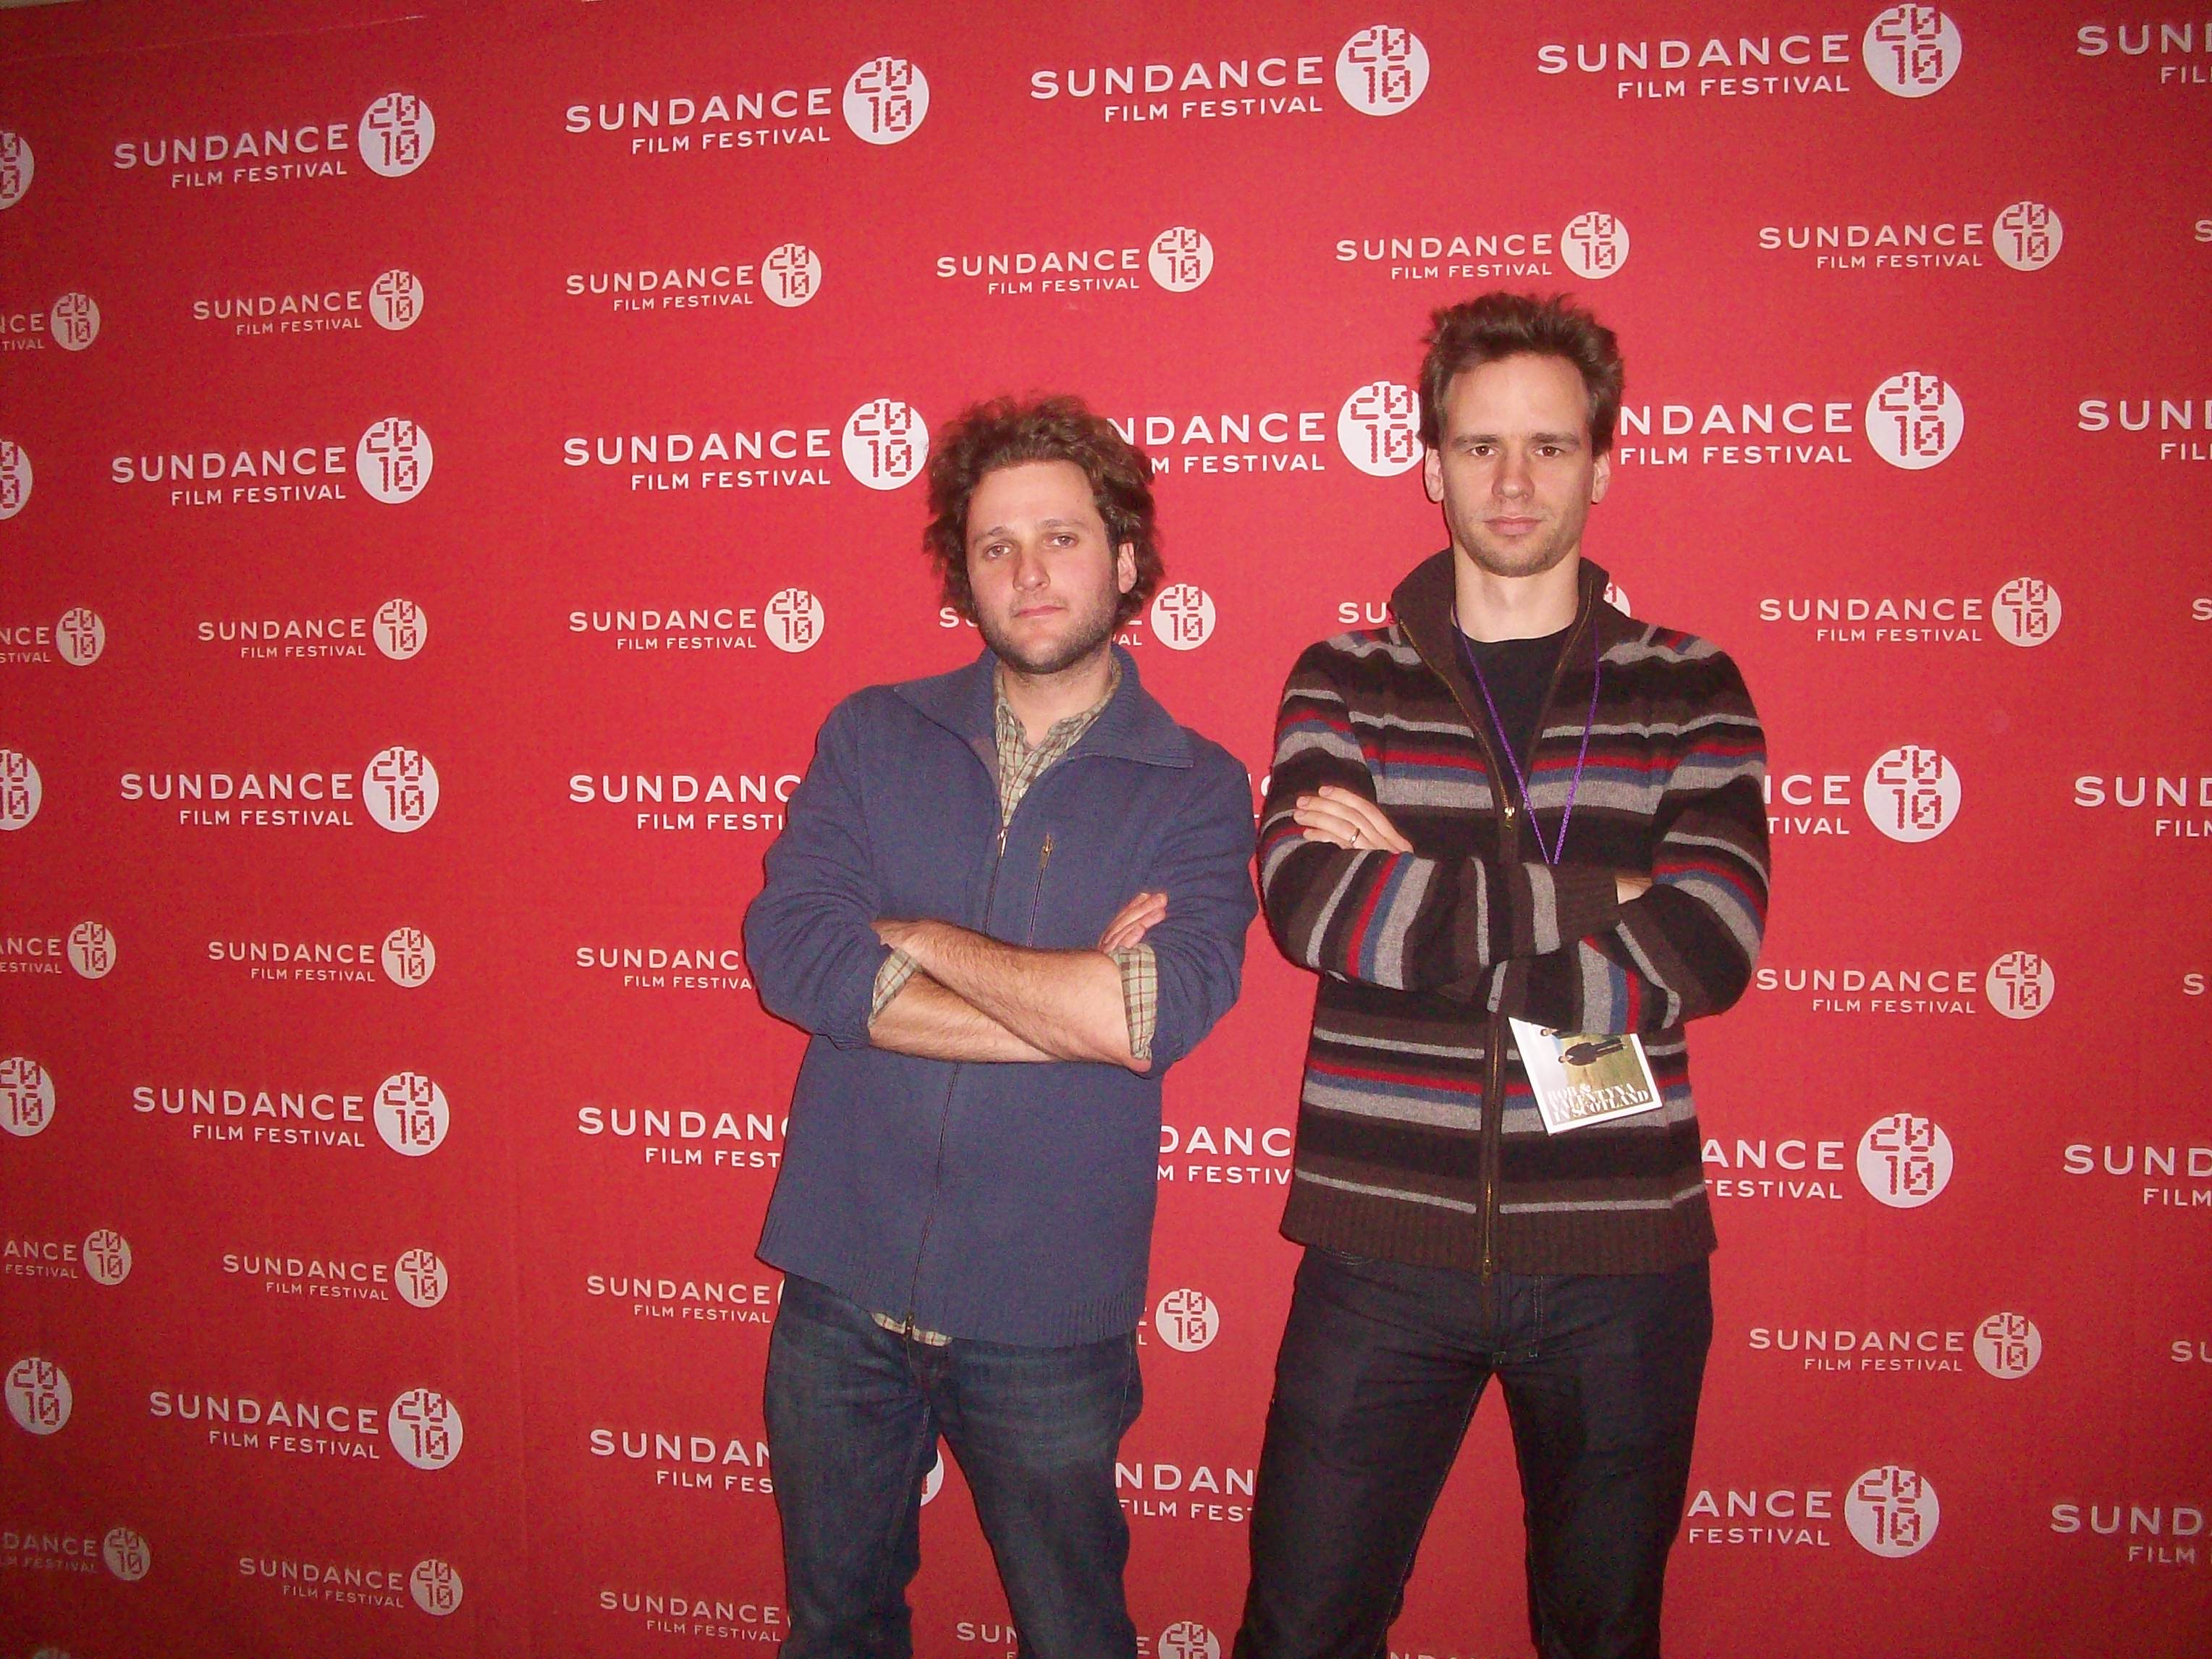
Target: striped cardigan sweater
[[1418, 1138]]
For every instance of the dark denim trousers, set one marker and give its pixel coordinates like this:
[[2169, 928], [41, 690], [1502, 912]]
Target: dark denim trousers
[[1380, 1370], [854, 1416]]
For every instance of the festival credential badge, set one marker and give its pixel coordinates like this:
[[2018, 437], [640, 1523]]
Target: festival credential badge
[[1580, 1078]]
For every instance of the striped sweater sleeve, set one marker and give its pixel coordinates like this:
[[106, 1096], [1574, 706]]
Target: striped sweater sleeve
[[1403, 921], [1686, 948]]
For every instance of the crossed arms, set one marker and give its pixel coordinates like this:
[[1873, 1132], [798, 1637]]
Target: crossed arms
[[1576, 947], [816, 936], [972, 997]]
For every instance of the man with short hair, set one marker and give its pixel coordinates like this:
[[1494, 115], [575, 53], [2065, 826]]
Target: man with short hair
[[1522, 838], [1006, 899]]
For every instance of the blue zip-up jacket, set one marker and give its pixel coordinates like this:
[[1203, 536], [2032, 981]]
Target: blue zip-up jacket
[[1008, 1202]]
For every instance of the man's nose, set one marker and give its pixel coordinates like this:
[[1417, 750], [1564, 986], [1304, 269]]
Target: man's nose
[[1512, 477], [1029, 569]]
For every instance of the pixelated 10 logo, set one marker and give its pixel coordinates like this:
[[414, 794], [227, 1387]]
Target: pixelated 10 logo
[[1905, 1160]]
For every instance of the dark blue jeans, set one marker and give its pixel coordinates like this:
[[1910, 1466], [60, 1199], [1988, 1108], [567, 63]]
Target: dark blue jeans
[[1381, 1367], [853, 1417]]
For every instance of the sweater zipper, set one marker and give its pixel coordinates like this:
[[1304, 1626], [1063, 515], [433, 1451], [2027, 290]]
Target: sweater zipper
[[1493, 1089]]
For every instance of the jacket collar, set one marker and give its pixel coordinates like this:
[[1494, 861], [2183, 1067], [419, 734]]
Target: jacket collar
[[1133, 726], [1423, 605]]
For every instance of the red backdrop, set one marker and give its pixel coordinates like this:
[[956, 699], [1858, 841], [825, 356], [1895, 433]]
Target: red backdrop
[[452, 456]]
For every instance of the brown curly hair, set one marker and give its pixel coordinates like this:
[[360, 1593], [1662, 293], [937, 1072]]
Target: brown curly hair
[[1500, 324], [1008, 431]]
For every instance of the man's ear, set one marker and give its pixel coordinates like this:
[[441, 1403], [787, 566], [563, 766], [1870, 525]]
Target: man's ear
[[1124, 567]]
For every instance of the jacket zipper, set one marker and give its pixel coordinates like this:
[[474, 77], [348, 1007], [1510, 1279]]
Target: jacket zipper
[[1036, 900], [1493, 1088], [951, 1083]]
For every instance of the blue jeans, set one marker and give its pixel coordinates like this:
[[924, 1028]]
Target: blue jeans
[[1380, 1370], [854, 1416]]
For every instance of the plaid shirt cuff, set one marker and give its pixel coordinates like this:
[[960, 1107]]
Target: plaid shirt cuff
[[891, 980], [1140, 996]]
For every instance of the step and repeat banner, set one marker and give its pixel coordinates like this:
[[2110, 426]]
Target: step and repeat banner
[[452, 456]]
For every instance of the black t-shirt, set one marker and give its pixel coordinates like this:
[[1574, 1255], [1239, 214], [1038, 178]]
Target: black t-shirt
[[1518, 672]]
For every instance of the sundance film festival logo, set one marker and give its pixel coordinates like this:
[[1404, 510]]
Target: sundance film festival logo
[[397, 132], [1187, 1639], [1911, 794], [2177, 804], [400, 786], [106, 1256], [789, 274], [92, 950], [1379, 429], [74, 323], [1187, 1320], [1892, 1511], [1912, 50], [393, 301], [79, 636], [397, 630], [690, 1138], [1914, 420], [393, 459], [14, 478], [2179, 422], [406, 956], [2024, 236], [886, 443], [2007, 1345], [39, 1396], [2169, 45], [1905, 1160], [393, 137], [2026, 611], [420, 1278], [425, 1426], [1594, 246], [791, 619], [435, 1586], [1182, 616], [411, 1115], [26, 1095], [1178, 259], [21, 790], [126, 1554], [1381, 70], [1736, 65], [17, 167], [649, 791], [2020, 984], [884, 102]]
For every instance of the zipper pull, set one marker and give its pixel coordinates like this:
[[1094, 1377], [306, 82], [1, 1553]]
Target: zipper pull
[[1044, 855]]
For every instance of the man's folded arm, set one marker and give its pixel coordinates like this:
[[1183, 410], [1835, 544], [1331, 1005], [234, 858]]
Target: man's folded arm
[[1401, 921], [810, 938], [920, 1017], [1686, 948]]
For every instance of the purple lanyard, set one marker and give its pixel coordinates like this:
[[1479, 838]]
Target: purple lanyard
[[1551, 853]]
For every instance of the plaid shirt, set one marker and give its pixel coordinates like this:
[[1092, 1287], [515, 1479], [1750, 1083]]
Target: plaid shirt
[[1019, 767]]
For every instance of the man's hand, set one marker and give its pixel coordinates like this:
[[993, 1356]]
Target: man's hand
[[1626, 887], [1132, 921], [1342, 818]]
